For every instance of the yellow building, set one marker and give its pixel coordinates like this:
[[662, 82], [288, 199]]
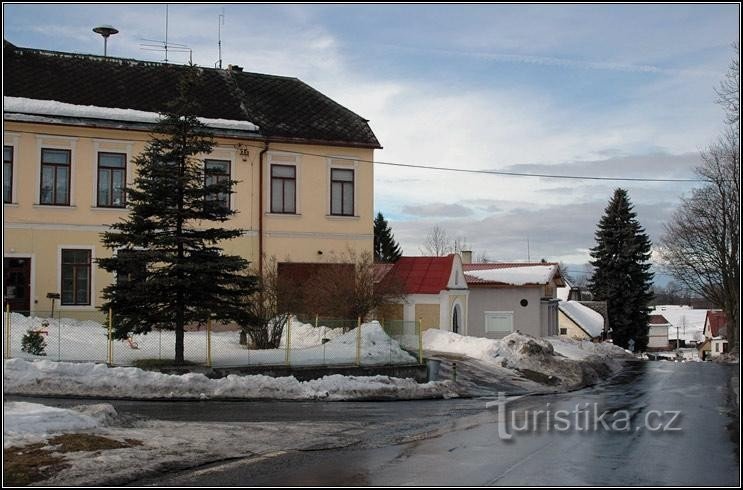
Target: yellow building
[[73, 124]]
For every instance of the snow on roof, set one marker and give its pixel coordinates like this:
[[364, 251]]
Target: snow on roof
[[589, 320], [686, 322], [514, 276], [54, 108]]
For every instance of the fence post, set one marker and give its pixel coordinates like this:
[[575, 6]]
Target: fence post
[[420, 340], [288, 339], [358, 341], [110, 339], [7, 331], [209, 342]]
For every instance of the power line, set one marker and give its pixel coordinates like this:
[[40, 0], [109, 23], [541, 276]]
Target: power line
[[504, 173]]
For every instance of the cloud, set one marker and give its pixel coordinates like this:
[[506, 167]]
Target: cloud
[[439, 210]]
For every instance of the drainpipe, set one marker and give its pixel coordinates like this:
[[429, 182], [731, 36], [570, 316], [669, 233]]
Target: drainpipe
[[260, 208]]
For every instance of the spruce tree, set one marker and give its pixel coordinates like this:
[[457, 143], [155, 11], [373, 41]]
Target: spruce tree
[[386, 249], [170, 269], [621, 271]]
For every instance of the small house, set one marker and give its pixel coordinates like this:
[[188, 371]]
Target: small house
[[580, 322]]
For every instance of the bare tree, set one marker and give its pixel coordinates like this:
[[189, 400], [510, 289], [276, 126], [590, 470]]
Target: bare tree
[[350, 292], [437, 243], [269, 308], [483, 258], [728, 92]]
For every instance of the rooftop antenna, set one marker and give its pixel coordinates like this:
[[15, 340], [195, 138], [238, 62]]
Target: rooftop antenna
[[105, 31], [528, 250], [165, 46], [220, 23]]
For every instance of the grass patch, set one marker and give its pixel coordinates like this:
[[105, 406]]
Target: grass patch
[[160, 363], [38, 462]]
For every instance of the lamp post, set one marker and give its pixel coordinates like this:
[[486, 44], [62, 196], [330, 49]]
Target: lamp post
[[105, 31]]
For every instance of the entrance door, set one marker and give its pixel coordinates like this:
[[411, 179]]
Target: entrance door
[[17, 280], [455, 320]]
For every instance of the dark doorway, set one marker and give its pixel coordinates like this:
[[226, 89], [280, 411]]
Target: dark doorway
[[17, 280], [455, 320]]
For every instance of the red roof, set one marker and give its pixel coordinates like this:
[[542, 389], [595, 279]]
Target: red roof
[[717, 322], [658, 320], [422, 275]]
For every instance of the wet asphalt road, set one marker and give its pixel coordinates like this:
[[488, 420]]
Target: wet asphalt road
[[703, 451]]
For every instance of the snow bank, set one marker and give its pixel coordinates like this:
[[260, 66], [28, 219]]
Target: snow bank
[[53, 108], [589, 320], [516, 276], [553, 362], [25, 423], [307, 335], [98, 380]]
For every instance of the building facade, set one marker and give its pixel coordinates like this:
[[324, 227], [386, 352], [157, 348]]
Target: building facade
[[74, 123]]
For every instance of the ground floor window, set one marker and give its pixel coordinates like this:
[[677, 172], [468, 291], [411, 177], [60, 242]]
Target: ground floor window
[[76, 270], [563, 331], [499, 322]]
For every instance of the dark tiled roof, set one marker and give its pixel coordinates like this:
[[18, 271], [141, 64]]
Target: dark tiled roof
[[657, 320], [717, 322], [285, 109]]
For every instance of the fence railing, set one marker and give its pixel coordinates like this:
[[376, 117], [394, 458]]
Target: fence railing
[[86, 336]]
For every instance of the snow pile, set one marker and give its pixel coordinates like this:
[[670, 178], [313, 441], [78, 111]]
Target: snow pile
[[589, 320], [31, 422], [53, 108], [307, 335], [98, 380], [516, 276], [554, 362]]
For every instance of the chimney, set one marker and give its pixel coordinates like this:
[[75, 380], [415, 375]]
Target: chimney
[[235, 68], [466, 256]]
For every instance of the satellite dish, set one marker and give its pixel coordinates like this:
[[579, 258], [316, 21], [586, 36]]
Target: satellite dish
[[105, 31]]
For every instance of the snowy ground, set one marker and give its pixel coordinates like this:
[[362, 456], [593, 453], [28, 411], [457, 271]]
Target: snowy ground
[[531, 364], [98, 380], [74, 340], [165, 446]]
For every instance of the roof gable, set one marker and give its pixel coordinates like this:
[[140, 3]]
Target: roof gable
[[285, 109]]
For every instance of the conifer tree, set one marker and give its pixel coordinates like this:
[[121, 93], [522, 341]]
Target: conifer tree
[[621, 271], [170, 269], [386, 249]]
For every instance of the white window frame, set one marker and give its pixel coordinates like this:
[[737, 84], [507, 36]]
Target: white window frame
[[287, 159], [499, 313], [342, 163], [93, 294], [56, 143], [10, 139]]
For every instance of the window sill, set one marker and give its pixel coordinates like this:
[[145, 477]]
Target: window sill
[[108, 209], [54, 206], [284, 215], [10, 204], [341, 217]]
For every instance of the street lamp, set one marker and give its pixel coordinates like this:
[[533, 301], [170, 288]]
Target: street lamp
[[105, 31]]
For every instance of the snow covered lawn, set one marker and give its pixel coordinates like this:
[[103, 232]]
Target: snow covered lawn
[[557, 364], [98, 380], [74, 340]]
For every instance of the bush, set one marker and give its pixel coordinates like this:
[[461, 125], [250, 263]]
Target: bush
[[33, 343]]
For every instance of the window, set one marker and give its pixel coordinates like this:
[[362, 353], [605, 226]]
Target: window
[[498, 321], [111, 179], [341, 192], [55, 177], [283, 189], [563, 331], [7, 174], [216, 172], [76, 277]]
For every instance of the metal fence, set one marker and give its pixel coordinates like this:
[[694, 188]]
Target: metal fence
[[85, 336]]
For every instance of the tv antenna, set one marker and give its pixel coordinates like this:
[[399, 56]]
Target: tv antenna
[[220, 23], [166, 46]]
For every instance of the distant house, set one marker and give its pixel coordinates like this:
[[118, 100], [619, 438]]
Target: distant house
[[435, 288], [687, 323], [715, 335], [509, 297], [580, 322], [658, 333]]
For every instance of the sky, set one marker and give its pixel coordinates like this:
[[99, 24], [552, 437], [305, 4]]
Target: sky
[[598, 90]]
